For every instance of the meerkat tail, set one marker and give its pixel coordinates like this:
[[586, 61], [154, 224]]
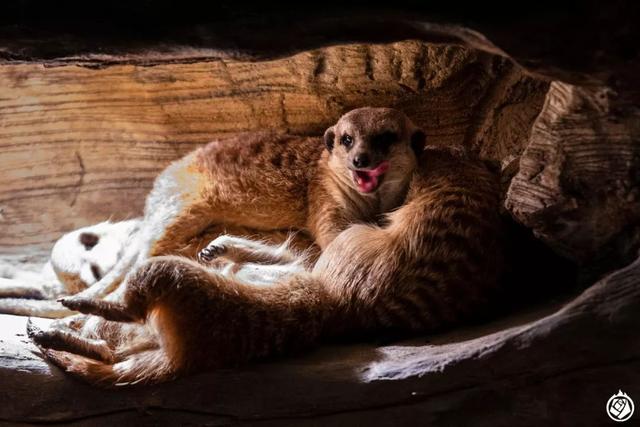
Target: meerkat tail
[[147, 367], [36, 308]]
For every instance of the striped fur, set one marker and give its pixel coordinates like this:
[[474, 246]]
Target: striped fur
[[432, 262]]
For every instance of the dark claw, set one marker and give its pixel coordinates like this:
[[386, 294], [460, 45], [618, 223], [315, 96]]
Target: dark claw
[[37, 335], [66, 301], [32, 330], [210, 252], [75, 304]]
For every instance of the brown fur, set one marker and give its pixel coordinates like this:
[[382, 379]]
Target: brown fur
[[429, 264]]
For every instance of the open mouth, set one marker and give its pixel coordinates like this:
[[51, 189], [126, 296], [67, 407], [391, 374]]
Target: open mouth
[[369, 180]]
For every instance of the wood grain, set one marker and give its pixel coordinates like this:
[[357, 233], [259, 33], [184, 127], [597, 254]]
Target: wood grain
[[79, 145]]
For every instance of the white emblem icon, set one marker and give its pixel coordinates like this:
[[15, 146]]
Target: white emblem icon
[[620, 407]]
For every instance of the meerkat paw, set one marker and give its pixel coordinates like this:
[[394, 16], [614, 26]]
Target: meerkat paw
[[54, 339], [50, 338], [241, 249], [32, 329], [75, 303], [210, 252]]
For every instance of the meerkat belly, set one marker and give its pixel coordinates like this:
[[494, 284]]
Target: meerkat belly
[[262, 274]]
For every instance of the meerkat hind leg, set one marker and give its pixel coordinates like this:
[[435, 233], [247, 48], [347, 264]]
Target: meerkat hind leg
[[110, 310], [57, 339]]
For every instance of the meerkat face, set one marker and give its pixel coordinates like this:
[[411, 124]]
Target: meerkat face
[[371, 145], [80, 258]]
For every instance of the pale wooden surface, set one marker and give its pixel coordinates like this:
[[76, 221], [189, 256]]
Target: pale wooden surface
[[546, 367], [80, 145]]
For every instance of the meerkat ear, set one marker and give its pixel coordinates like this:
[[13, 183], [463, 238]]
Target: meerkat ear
[[418, 141], [329, 136]]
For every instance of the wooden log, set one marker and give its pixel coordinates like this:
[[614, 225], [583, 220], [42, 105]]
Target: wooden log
[[546, 367], [81, 145]]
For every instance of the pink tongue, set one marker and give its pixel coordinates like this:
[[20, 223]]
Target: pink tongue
[[366, 183], [380, 169], [367, 180]]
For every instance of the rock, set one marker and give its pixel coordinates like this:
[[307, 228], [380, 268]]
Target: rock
[[586, 42], [578, 186], [82, 145]]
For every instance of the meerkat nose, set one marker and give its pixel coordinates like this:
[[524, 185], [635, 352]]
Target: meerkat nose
[[361, 160]]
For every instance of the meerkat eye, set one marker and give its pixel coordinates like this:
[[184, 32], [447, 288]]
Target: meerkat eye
[[346, 140], [384, 140]]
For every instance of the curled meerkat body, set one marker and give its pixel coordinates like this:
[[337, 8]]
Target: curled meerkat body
[[266, 182], [260, 185], [429, 264]]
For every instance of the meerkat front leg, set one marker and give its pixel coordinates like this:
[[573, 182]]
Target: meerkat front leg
[[98, 349], [242, 250], [110, 310]]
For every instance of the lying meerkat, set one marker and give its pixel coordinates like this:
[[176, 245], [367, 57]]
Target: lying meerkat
[[252, 262], [428, 264], [78, 260]]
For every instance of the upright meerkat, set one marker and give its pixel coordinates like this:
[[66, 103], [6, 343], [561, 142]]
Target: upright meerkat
[[428, 264]]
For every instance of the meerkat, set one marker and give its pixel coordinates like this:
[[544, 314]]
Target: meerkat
[[260, 185], [78, 260], [430, 263], [268, 182], [252, 262]]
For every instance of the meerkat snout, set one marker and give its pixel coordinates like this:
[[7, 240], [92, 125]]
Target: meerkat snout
[[361, 160], [372, 143]]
